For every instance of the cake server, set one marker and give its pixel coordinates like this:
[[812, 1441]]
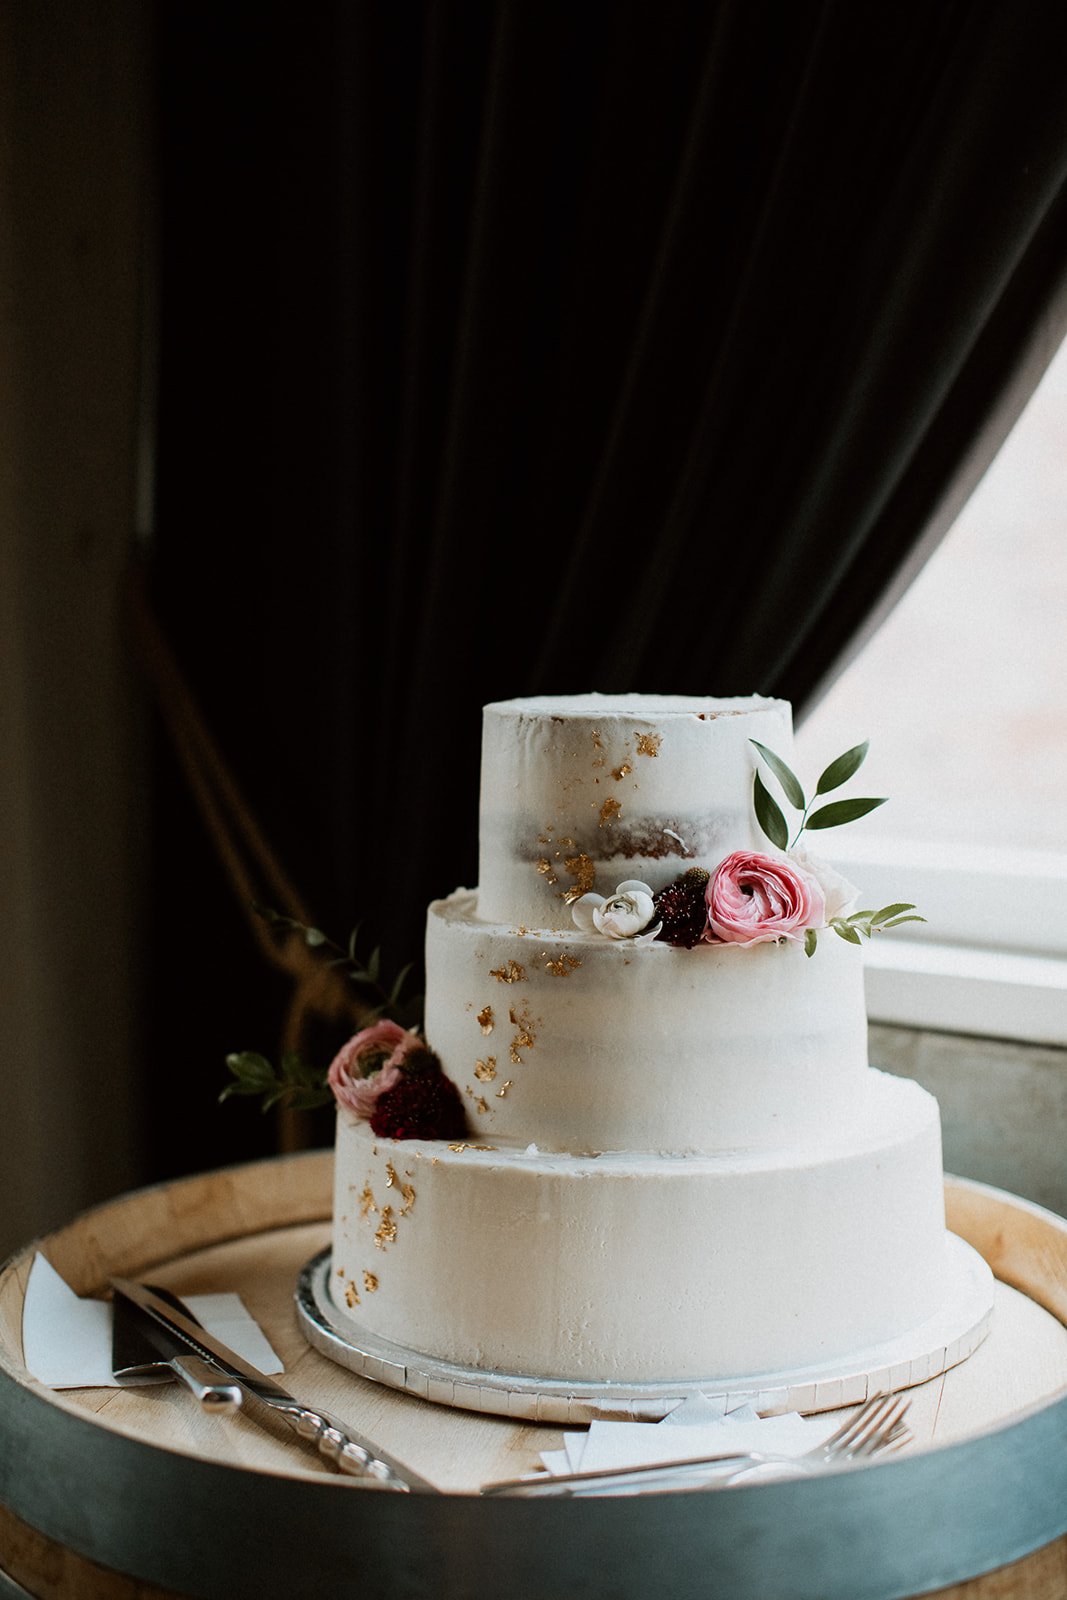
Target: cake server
[[264, 1401], [142, 1348]]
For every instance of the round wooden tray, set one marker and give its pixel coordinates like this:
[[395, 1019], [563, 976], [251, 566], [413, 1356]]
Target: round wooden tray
[[136, 1492]]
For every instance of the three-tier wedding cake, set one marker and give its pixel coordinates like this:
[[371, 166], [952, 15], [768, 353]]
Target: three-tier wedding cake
[[659, 1151]]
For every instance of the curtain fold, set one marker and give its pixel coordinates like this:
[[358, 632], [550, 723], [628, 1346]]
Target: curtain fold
[[525, 348]]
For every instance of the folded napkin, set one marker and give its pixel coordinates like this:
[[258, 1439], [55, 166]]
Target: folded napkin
[[699, 1426], [66, 1341]]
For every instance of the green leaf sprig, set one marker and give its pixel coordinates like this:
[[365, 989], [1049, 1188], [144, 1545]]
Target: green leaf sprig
[[300, 1085], [859, 925], [378, 997], [769, 813]]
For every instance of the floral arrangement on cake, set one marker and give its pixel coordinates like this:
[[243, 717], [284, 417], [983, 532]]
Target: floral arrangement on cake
[[386, 1073], [755, 897]]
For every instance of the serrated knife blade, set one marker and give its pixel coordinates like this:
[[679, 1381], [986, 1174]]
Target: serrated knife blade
[[143, 1350], [340, 1444]]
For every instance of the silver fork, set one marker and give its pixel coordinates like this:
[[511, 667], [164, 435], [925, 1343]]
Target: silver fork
[[873, 1428]]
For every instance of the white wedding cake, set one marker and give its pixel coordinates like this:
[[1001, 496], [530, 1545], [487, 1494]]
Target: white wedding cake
[[665, 1156]]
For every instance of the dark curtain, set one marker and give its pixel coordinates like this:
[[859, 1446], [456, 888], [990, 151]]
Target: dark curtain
[[515, 348]]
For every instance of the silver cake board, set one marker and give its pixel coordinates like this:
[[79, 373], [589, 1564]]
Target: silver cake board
[[924, 1352]]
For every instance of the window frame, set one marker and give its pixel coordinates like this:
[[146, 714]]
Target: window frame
[[991, 958]]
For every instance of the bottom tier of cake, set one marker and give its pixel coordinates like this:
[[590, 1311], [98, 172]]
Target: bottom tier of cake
[[636, 1268]]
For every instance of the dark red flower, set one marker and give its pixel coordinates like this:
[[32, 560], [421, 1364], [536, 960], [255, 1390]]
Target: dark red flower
[[423, 1105], [682, 908]]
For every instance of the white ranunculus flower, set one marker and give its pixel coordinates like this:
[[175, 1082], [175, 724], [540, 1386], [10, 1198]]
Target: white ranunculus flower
[[624, 915], [582, 911], [840, 895]]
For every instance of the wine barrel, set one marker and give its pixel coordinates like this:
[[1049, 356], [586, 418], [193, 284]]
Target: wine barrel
[[136, 1492]]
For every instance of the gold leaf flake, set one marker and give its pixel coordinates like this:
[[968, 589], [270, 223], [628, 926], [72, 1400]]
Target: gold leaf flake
[[610, 811], [510, 972], [544, 867], [504, 1087], [351, 1294], [481, 1106], [367, 1203], [386, 1233], [647, 744], [485, 1071], [622, 771], [583, 872], [370, 1282], [393, 1181], [525, 1037], [563, 966]]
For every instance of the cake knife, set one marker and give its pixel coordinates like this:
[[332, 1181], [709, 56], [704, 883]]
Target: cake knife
[[142, 1348], [265, 1401]]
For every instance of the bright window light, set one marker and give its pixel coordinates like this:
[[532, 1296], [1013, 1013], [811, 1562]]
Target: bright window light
[[963, 690], [963, 695]]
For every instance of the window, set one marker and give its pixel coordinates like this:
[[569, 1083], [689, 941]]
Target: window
[[963, 694]]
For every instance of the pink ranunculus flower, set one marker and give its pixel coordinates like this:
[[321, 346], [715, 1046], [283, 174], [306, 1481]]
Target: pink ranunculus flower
[[369, 1064], [753, 898]]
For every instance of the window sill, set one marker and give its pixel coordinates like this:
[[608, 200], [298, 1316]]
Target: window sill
[[996, 994]]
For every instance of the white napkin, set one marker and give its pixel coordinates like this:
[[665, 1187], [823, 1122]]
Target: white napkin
[[66, 1341], [700, 1426]]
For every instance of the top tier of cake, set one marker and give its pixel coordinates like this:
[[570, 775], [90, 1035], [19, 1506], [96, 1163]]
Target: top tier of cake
[[585, 791]]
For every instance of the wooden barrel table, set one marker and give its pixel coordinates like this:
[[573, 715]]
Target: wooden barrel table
[[137, 1492]]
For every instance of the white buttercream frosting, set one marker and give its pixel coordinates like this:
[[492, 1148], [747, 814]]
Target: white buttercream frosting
[[604, 1046], [630, 786], [634, 1268], [680, 1163]]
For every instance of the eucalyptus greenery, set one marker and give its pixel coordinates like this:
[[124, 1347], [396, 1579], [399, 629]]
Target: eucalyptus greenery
[[299, 1084], [769, 813], [859, 925]]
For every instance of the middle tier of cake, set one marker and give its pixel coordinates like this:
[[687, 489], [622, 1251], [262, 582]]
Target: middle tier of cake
[[578, 1043]]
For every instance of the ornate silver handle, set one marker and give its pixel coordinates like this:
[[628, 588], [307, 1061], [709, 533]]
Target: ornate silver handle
[[346, 1450]]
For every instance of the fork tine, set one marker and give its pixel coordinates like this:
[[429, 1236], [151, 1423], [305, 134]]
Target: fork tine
[[872, 1404], [867, 1416], [893, 1417], [873, 1436], [883, 1446]]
